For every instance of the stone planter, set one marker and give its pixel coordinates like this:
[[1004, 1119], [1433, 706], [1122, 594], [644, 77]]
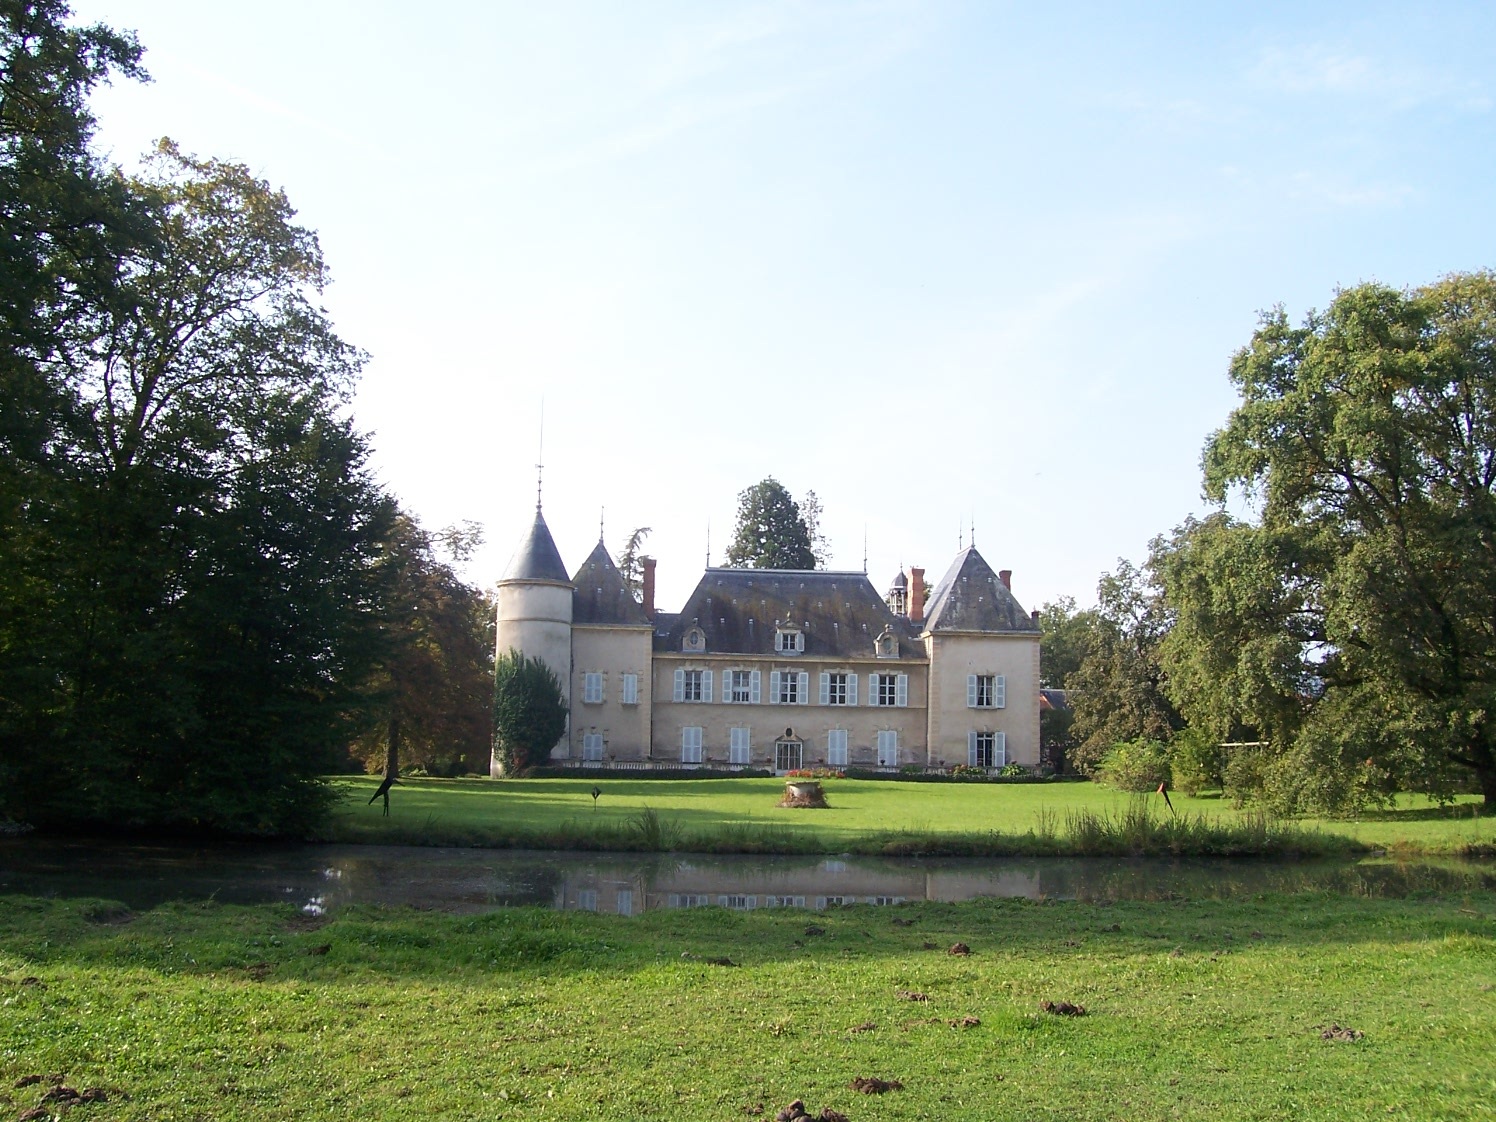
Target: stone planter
[[803, 793]]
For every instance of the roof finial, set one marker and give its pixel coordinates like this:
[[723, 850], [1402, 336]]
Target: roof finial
[[973, 530], [540, 456], [708, 543], [960, 534], [602, 513], [864, 549]]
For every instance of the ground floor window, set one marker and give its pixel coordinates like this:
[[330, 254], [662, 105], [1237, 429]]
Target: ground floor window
[[690, 744], [789, 755], [739, 750], [986, 749], [888, 748], [836, 748], [592, 746]]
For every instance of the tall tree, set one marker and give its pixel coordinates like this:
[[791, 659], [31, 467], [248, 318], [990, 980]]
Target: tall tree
[[200, 596], [529, 714], [631, 561], [771, 532], [1355, 617]]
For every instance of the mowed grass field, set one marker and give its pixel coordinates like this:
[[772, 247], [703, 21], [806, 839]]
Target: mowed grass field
[[1279, 1007], [724, 814]]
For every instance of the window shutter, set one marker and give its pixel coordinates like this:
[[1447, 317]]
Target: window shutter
[[851, 689], [874, 696], [999, 749], [1000, 691], [680, 685], [773, 687], [971, 749], [706, 685], [825, 688], [971, 692], [754, 678], [804, 691], [901, 690]]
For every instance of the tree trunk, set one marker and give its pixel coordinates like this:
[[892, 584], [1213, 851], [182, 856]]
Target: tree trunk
[[392, 750], [1487, 777]]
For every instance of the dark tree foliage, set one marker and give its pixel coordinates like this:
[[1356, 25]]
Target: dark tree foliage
[[1066, 635], [191, 575], [433, 691], [771, 531], [631, 561], [529, 714], [1353, 623], [1117, 691]]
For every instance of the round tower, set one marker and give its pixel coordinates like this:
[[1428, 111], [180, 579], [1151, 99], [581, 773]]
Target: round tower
[[534, 614]]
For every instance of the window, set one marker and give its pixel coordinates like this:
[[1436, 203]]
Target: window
[[587, 899], [789, 642], [592, 746], [737, 903], [693, 685], [784, 901], [738, 749], [888, 748], [986, 749], [788, 755], [787, 687], [838, 688], [986, 691], [625, 901], [836, 748], [740, 686], [888, 689], [690, 744], [630, 689], [592, 688]]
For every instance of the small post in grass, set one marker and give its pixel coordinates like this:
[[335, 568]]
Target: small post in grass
[[1163, 789], [596, 794]]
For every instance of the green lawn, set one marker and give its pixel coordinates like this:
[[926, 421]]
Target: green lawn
[[726, 814], [1194, 1010]]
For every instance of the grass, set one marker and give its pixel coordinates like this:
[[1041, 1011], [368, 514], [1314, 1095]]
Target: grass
[[1196, 1009], [869, 817]]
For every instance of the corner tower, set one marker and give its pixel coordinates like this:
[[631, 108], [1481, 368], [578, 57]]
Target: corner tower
[[534, 615]]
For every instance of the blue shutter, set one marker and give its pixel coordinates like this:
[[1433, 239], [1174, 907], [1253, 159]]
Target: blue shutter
[[706, 685], [1000, 691], [851, 689], [901, 690], [971, 749], [680, 685], [999, 749], [773, 687], [754, 678], [825, 687], [971, 691]]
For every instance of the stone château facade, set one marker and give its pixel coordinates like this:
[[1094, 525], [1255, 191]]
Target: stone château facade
[[780, 669]]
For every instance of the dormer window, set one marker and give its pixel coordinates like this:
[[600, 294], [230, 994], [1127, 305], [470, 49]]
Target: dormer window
[[695, 640], [789, 642], [886, 645]]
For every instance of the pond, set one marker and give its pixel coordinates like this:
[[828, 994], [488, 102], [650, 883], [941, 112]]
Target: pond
[[323, 878]]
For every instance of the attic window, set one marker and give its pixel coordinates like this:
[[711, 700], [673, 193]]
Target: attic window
[[695, 640], [886, 645], [789, 642]]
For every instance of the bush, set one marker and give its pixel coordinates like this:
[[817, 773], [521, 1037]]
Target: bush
[[1014, 771], [1136, 765], [1194, 761]]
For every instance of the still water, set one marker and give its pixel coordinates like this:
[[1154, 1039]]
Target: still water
[[323, 878]]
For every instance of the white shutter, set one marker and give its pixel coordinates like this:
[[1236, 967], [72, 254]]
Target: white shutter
[[901, 690], [754, 678], [874, 695], [999, 748], [971, 749], [971, 691], [773, 687], [680, 685], [1000, 691], [825, 687], [804, 691], [851, 689], [631, 689], [706, 685]]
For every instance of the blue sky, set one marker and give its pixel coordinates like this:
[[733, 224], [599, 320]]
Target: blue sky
[[939, 262]]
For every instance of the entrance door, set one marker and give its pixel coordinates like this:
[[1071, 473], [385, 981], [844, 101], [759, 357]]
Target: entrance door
[[788, 755]]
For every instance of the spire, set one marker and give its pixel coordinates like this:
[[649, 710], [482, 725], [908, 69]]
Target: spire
[[540, 457]]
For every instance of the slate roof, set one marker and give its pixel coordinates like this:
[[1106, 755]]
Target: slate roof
[[537, 557], [971, 597], [602, 596], [840, 614]]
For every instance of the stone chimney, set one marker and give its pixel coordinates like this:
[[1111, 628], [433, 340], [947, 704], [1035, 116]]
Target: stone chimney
[[648, 582], [916, 595], [1006, 576], [1034, 615]]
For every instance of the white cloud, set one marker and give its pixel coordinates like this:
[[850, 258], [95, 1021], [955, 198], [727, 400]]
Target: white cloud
[[1315, 68]]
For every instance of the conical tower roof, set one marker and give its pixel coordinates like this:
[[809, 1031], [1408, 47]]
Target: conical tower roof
[[537, 557]]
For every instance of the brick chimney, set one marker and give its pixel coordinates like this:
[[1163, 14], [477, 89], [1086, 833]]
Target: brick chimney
[[916, 595], [1006, 576], [648, 564], [1034, 615]]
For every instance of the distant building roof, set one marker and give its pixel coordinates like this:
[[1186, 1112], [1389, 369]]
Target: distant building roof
[[602, 595], [900, 581], [537, 557], [1053, 699], [971, 597], [840, 614]]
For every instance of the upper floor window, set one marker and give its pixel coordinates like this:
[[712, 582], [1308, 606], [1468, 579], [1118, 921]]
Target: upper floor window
[[740, 687], [693, 685], [986, 691], [592, 687], [789, 642], [786, 687], [838, 688], [630, 689], [889, 689]]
